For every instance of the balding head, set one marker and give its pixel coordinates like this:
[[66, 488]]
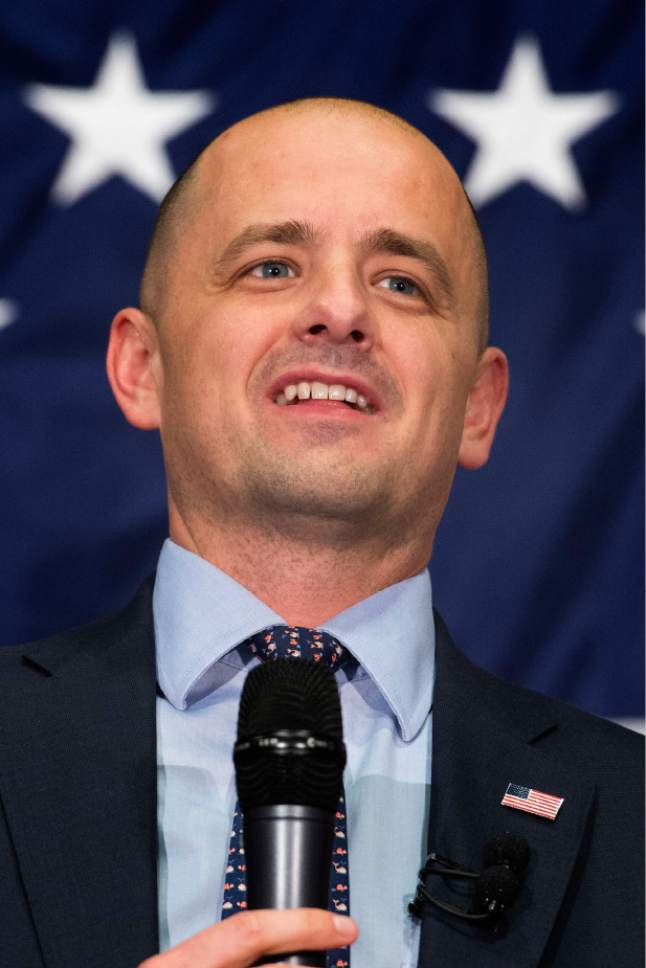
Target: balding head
[[187, 196], [323, 252]]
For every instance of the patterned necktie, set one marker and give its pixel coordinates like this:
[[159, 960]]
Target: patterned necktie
[[281, 641]]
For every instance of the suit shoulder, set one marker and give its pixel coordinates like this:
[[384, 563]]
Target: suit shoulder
[[586, 733], [613, 748], [560, 726], [81, 641]]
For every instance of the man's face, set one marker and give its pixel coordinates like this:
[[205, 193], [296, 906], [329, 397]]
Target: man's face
[[328, 252]]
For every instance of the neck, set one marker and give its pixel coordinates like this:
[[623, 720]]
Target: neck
[[306, 581]]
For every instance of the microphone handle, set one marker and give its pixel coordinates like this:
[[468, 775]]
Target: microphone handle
[[288, 854]]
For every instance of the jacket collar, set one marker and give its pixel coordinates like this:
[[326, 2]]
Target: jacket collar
[[487, 734]]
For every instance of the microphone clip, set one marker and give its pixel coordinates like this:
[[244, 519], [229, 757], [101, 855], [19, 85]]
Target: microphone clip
[[496, 887]]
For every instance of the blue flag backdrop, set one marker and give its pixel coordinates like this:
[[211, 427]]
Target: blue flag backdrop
[[538, 566]]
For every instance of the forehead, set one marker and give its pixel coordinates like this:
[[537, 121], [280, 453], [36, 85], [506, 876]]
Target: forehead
[[346, 174]]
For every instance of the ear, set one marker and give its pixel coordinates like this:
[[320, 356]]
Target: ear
[[484, 407], [134, 368]]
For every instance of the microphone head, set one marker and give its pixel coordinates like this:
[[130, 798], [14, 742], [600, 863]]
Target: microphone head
[[289, 748], [496, 890], [508, 849]]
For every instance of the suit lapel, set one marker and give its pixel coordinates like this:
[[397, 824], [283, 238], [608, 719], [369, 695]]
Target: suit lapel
[[78, 781], [485, 736]]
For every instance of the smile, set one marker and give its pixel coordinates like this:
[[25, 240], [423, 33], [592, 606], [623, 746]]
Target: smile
[[294, 393]]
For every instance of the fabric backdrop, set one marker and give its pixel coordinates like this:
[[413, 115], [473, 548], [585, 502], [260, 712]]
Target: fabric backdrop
[[538, 566]]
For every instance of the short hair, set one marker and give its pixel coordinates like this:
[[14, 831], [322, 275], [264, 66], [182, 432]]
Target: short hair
[[171, 217], [482, 271], [176, 206]]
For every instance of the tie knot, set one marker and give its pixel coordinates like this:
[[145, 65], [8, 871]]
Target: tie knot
[[292, 641]]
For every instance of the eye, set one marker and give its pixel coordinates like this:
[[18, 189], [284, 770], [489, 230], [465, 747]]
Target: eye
[[272, 270], [400, 284]]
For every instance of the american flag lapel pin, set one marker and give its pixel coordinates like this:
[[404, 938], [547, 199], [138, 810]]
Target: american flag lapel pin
[[531, 801]]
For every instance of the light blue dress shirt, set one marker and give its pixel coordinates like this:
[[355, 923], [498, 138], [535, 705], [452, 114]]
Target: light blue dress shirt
[[201, 616]]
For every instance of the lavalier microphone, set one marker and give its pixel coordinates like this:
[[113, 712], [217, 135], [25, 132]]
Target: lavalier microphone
[[496, 887]]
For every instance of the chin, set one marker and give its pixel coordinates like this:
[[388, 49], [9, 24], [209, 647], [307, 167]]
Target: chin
[[327, 498]]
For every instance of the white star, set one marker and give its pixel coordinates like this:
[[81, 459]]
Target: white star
[[524, 130], [8, 313], [118, 126]]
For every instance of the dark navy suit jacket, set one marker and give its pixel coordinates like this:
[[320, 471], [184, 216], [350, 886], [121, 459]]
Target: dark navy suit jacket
[[78, 850]]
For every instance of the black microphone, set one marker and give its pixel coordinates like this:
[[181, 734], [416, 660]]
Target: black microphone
[[496, 888], [508, 850], [289, 758]]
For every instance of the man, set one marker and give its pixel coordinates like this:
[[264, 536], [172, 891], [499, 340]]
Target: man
[[312, 346]]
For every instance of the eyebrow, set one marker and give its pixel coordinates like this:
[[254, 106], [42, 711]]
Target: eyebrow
[[387, 240], [294, 232], [282, 233]]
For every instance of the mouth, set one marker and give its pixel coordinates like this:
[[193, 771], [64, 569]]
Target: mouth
[[297, 393]]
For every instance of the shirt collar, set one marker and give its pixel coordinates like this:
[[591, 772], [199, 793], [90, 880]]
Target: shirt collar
[[392, 636], [201, 615]]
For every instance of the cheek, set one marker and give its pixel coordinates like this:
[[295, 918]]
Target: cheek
[[422, 364], [208, 359], [434, 375]]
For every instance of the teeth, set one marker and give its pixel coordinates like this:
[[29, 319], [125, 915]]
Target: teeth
[[315, 390]]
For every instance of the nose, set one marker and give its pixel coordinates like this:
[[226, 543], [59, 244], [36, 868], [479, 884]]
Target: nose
[[338, 311]]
